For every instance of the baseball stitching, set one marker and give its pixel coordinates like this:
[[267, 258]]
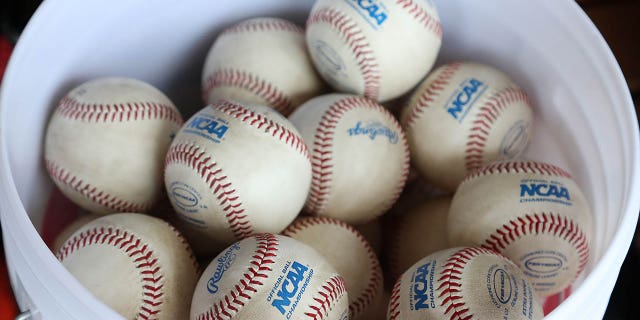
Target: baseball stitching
[[187, 247], [113, 203], [430, 93], [70, 108], [487, 115], [263, 25], [419, 13], [536, 224], [322, 151], [194, 157], [527, 167], [450, 282], [329, 292], [394, 302], [250, 82], [260, 122], [357, 41], [357, 304], [142, 256], [229, 305]]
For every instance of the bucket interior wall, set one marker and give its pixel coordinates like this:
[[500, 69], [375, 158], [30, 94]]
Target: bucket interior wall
[[548, 47]]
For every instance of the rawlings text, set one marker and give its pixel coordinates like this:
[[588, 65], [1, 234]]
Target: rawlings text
[[372, 130], [224, 263]]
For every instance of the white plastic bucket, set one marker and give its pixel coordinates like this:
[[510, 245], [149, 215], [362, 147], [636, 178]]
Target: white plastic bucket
[[585, 120]]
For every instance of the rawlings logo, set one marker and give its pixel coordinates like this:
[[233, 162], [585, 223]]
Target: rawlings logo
[[375, 10], [208, 127], [372, 130], [423, 287], [291, 287], [224, 263], [463, 98]]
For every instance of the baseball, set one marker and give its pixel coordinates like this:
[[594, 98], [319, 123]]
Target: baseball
[[376, 48], [359, 156], [268, 276], [415, 234], [261, 61], [234, 170], [531, 212], [349, 252], [106, 141], [139, 266], [463, 283], [462, 116]]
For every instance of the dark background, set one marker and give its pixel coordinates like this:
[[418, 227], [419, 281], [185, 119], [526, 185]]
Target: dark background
[[617, 20]]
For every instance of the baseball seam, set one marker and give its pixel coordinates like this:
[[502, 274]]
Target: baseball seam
[[357, 42], [187, 247], [450, 282], [70, 108], [393, 312], [527, 167], [263, 25], [431, 93], [322, 152], [487, 115], [100, 197], [536, 224], [229, 305], [420, 14], [260, 122], [329, 292], [193, 157], [249, 82], [357, 304], [143, 257]]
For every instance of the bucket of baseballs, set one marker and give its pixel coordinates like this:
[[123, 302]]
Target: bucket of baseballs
[[578, 111]]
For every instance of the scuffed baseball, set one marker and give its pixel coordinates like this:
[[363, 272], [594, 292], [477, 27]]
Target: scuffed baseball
[[531, 212], [269, 276], [415, 234], [462, 116], [463, 283], [261, 61], [139, 266], [234, 170], [379, 49], [359, 156], [349, 253], [106, 141]]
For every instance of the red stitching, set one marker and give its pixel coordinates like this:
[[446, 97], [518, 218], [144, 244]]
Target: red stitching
[[92, 193], [394, 302], [329, 292], [142, 256], [264, 25], [192, 156], [431, 93], [516, 166], [543, 223], [70, 108], [357, 305], [357, 41], [228, 305], [263, 123], [420, 14], [322, 154], [250, 82], [486, 117], [450, 282]]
